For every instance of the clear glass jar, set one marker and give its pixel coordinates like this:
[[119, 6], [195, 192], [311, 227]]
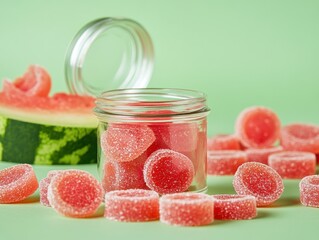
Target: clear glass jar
[[152, 138], [147, 138]]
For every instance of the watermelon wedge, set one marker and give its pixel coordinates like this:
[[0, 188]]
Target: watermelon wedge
[[36, 128]]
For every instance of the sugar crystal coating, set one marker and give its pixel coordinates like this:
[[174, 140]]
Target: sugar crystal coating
[[261, 155], [126, 142], [75, 193], [260, 181], [309, 191], [300, 137], [124, 175], [293, 164], [225, 162], [167, 171], [17, 183], [223, 142], [133, 205], [257, 127], [180, 137], [44, 185], [186, 209], [234, 207]]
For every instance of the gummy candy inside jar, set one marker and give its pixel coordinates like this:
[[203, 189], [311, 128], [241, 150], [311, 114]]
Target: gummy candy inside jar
[[152, 139]]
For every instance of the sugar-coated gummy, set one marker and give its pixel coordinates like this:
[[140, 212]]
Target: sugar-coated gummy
[[17, 183], [234, 207], [133, 205], [186, 209], [223, 142], [260, 181], [44, 185], [180, 137], [309, 191], [75, 193], [261, 155], [300, 137], [293, 164], [225, 162], [124, 175], [126, 142], [167, 171], [257, 127]]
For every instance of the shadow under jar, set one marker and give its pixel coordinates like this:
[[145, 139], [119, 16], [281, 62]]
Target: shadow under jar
[[152, 139]]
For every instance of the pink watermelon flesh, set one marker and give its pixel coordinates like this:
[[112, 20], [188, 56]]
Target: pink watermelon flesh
[[35, 82], [31, 91]]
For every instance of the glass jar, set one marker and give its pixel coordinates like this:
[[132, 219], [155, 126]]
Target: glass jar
[[147, 138], [152, 138]]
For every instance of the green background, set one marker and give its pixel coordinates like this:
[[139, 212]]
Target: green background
[[239, 52]]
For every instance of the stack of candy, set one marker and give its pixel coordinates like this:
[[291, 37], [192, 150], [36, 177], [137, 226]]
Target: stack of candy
[[258, 131], [164, 157]]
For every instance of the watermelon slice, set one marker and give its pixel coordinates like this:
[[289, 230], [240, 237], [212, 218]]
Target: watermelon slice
[[39, 129]]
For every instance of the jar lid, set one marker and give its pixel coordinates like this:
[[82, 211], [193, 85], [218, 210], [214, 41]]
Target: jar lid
[[109, 53]]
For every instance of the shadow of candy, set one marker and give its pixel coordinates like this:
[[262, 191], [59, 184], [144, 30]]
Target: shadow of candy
[[99, 212], [31, 199], [285, 202], [263, 213]]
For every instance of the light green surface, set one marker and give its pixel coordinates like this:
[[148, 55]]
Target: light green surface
[[286, 219], [240, 52]]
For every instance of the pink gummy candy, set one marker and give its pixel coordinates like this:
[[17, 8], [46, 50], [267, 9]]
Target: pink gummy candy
[[309, 191], [257, 127], [186, 209], [133, 205], [75, 193], [261, 154], [180, 137], [260, 181], [17, 183], [126, 142], [44, 185], [124, 175], [223, 142], [234, 207], [167, 171], [300, 137], [225, 162], [292, 164]]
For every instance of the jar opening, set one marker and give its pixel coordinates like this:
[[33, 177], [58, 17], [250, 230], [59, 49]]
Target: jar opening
[[151, 102]]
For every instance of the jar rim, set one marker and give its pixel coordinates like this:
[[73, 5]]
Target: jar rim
[[136, 58], [151, 102]]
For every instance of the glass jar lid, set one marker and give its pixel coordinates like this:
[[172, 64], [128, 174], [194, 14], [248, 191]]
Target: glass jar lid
[[107, 54]]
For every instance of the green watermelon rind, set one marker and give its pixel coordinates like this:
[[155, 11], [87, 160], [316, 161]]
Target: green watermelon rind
[[50, 117], [46, 144]]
